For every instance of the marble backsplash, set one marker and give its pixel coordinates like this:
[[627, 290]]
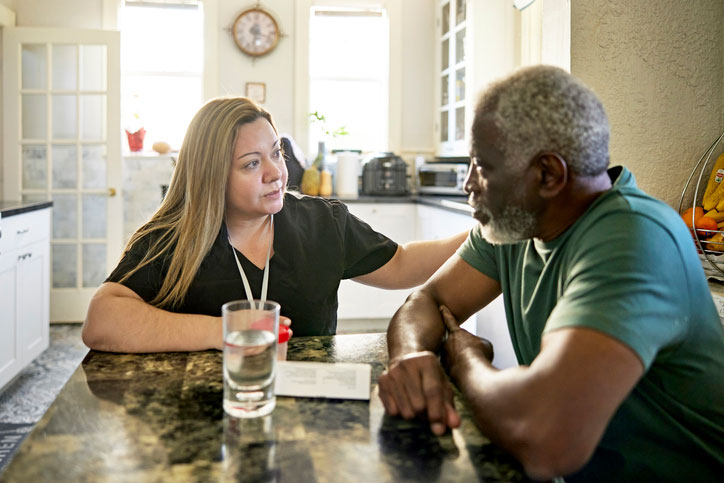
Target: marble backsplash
[[143, 177]]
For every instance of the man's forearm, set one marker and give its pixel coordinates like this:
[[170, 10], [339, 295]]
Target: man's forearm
[[416, 326]]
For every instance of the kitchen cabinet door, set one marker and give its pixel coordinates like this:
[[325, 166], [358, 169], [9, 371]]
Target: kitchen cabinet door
[[476, 43], [10, 363], [491, 324], [398, 222], [32, 299], [436, 223]]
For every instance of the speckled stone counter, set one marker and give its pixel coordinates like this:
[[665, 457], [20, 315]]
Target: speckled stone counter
[[158, 417]]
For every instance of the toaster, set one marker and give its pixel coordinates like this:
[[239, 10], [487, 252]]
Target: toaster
[[384, 174]]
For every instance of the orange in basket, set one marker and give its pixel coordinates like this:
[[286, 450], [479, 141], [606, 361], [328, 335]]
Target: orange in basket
[[705, 226], [697, 216]]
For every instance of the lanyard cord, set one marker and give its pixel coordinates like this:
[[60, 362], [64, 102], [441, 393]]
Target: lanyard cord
[[265, 280]]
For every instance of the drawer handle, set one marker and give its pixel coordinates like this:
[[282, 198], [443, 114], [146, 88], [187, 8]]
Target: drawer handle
[[25, 255], [23, 232]]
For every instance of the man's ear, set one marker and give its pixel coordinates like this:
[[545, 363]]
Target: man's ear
[[553, 171]]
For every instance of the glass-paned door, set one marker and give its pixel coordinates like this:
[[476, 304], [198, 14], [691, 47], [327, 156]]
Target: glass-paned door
[[61, 108], [452, 19]]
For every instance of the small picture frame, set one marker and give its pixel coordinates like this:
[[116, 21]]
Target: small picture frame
[[256, 91]]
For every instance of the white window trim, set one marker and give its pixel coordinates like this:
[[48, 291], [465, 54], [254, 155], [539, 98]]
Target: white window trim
[[301, 66]]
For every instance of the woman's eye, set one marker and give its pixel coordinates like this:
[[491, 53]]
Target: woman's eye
[[252, 164], [277, 154]]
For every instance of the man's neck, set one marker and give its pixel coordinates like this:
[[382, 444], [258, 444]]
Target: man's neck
[[570, 205]]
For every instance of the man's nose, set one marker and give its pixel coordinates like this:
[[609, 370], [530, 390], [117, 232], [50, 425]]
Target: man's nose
[[470, 183]]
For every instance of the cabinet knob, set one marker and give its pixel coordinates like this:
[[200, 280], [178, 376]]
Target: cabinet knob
[[111, 192], [23, 232]]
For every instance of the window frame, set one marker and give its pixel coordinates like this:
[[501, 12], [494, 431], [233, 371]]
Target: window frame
[[301, 67], [210, 74]]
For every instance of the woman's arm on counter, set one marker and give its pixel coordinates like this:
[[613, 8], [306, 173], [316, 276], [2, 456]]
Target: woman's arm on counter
[[413, 263], [119, 320]]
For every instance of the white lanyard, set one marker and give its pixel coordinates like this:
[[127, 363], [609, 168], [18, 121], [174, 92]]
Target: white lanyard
[[265, 282]]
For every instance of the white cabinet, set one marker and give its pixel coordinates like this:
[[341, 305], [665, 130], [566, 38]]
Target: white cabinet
[[434, 223], [477, 41], [491, 323], [33, 292], [398, 222], [9, 348], [24, 290]]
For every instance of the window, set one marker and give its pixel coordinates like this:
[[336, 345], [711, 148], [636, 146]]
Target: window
[[161, 67], [349, 52]]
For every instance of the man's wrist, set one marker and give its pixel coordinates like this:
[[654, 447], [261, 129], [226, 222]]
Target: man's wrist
[[411, 355]]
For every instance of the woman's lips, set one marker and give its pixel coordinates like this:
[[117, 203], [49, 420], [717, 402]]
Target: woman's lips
[[274, 194]]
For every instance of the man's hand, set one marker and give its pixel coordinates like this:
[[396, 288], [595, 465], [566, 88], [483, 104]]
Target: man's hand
[[460, 341], [415, 384]]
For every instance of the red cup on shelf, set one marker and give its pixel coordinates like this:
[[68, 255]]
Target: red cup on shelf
[[135, 140]]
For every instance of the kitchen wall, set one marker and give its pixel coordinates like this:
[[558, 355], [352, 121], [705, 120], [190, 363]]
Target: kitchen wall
[[657, 66]]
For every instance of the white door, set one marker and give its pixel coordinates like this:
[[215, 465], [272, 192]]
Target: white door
[[62, 141]]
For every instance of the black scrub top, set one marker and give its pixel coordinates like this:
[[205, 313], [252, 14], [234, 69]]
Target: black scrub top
[[317, 243]]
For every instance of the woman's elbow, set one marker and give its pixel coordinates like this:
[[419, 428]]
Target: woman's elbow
[[93, 332]]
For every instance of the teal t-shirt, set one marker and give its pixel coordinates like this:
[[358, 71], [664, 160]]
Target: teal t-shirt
[[628, 268]]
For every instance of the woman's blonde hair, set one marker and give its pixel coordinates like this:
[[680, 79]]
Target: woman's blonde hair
[[190, 216]]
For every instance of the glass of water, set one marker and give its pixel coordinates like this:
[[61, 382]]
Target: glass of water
[[250, 354]]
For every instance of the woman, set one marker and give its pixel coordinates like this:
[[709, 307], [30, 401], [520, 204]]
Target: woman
[[227, 217]]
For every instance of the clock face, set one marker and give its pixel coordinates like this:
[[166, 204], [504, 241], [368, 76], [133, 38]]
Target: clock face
[[256, 32]]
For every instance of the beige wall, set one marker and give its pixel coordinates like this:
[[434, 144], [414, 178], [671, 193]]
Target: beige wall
[[85, 14], [657, 66]]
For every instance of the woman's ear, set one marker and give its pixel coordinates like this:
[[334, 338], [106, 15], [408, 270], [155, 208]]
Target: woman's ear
[[553, 171]]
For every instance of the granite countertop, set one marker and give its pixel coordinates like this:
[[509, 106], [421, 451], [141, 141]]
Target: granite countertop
[[158, 417], [10, 208]]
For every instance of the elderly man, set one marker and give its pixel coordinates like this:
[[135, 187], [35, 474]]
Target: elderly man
[[621, 351]]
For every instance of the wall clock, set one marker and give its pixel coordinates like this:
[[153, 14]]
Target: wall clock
[[255, 32]]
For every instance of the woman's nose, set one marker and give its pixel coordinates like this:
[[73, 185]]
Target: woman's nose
[[272, 171]]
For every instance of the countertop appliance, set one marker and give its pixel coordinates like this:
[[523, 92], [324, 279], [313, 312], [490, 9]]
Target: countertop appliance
[[442, 178], [384, 174]]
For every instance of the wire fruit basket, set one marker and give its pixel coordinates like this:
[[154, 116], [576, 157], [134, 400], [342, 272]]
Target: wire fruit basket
[[709, 246]]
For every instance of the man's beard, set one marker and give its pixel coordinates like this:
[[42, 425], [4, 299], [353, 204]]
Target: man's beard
[[513, 225]]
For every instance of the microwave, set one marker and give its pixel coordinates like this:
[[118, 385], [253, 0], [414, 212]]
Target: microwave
[[442, 178]]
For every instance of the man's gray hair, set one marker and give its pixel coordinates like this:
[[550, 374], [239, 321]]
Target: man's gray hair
[[544, 108]]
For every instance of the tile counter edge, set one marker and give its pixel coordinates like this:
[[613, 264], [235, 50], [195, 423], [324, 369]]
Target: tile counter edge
[[11, 208]]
